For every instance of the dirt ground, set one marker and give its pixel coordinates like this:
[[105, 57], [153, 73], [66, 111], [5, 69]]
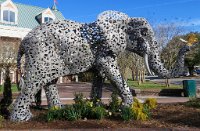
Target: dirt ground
[[168, 116]]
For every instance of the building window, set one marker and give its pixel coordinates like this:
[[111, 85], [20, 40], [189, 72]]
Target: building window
[[47, 19], [9, 16]]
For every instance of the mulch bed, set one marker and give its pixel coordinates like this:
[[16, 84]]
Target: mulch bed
[[164, 116]]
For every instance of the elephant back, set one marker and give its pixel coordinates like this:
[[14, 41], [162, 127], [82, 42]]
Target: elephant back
[[113, 25]]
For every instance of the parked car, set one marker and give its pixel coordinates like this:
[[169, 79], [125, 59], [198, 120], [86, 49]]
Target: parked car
[[197, 71]]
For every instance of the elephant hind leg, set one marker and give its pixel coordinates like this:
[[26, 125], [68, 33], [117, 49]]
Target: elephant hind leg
[[52, 94], [21, 109]]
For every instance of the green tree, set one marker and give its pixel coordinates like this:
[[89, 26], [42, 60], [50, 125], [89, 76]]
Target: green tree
[[192, 59], [170, 52]]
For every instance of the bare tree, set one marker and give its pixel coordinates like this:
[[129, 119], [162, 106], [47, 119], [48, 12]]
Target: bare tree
[[165, 32], [133, 62], [8, 52], [8, 55]]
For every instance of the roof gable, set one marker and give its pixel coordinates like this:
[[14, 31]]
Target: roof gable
[[27, 15], [8, 4]]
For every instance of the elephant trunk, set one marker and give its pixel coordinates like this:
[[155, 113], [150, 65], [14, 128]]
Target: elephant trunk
[[158, 68]]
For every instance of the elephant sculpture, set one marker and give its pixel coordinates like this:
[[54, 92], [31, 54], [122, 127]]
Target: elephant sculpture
[[61, 48]]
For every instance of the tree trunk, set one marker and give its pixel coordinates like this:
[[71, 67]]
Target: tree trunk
[[133, 75], [167, 82], [143, 76], [7, 94]]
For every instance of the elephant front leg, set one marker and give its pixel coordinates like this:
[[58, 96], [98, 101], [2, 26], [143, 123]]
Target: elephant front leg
[[108, 65], [97, 84], [52, 94]]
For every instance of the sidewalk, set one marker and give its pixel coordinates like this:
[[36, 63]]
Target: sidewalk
[[67, 91], [163, 100]]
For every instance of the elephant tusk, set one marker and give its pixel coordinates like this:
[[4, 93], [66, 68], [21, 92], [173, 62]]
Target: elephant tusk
[[147, 63], [183, 40]]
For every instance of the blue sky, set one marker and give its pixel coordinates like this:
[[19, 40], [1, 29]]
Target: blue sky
[[184, 13]]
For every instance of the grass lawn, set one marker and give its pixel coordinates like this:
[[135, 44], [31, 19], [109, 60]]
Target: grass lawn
[[151, 85], [14, 88]]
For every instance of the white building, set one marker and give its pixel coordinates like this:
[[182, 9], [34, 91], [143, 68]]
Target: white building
[[16, 20]]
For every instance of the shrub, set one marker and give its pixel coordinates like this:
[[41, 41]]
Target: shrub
[[70, 113], [115, 103], [54, 113], [151, 103], [78, 98], [7, 95], [82, 106], [194, 102], [138, 111], [127, 114], [1, 120], [98, 112], [67, 113]]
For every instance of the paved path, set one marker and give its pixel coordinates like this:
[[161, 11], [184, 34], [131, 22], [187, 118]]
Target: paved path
[[178, 81], [66, 92]]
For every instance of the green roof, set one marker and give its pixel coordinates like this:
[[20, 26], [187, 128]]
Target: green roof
[[27, 15]]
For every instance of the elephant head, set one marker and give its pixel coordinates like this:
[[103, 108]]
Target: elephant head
[[141, 40], [136, 35]]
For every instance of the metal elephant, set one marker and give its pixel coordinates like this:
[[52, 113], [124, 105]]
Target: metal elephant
[[66, 47]]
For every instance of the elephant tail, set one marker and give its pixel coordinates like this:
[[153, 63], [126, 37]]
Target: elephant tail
[[20, 84], [19, 56]]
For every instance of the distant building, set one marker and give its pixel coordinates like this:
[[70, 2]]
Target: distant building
[[17, 19]]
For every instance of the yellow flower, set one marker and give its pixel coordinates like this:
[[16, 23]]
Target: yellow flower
[[151, 103], [55, 108], [90, 104]]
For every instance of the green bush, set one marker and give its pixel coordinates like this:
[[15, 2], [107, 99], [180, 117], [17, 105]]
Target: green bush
[[7, 93], [7, 96], [71, 114], [194, 102], [138, 111], [127, 114], [1, 120], [115, 103], [54, 114], [84, 108], [78, 98], [98, 112]]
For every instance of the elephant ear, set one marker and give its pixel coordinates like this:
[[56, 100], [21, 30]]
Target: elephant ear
[[139, 25]]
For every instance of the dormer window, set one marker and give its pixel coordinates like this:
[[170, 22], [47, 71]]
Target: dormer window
[[48, 19], [9, 12], [8, 16], [45, 16]]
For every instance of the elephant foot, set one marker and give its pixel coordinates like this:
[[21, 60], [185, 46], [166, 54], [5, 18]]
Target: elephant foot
[[21, 116], [127, 101]]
